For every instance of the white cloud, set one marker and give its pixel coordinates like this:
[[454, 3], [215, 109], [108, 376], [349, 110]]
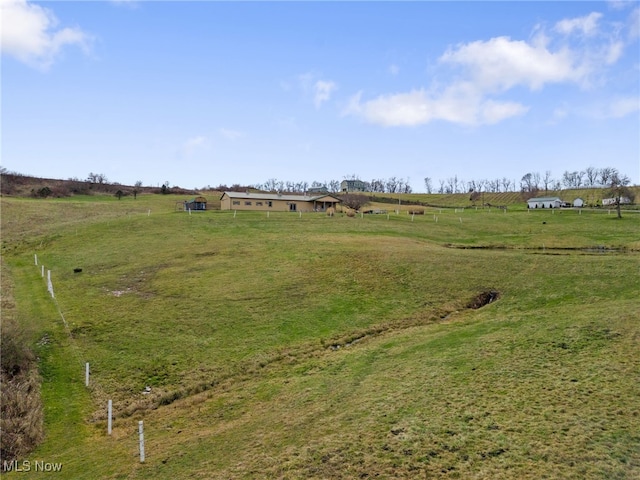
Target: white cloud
[[501, 63], [231, 134], [29, 34], [394, 69], [587, 25], [460, 103], [620, 4], [491, 112], [486, 70], [323, 90], [621, 107], [193, 144], [320, 90]]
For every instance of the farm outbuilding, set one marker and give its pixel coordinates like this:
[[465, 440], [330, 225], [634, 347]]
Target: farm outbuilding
[[277, 202], [348, 186], [198, 203], [614, 201], [544, 202], [578, 202]]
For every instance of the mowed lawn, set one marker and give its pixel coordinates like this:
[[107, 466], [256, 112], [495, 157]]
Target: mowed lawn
[[307, 346]]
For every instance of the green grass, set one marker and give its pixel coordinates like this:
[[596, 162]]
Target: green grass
[[244, 327]]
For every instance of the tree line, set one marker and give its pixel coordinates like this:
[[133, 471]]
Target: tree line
[[377, 185], [531, 182]]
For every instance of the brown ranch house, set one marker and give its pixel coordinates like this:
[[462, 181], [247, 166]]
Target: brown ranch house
[[276, 202]]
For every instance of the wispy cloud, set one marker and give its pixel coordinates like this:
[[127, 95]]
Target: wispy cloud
[[621, 107], [587, 25], [394, 69], [322, 91], [30, 34], [485, 70], [461, 104], [133, 4], [319, 89], [231, 134], [193, 144]]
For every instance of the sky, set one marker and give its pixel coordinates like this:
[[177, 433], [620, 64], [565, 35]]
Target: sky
[[208, 93]]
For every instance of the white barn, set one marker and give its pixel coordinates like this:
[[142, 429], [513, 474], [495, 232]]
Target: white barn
[[578, 202], [544, 202]]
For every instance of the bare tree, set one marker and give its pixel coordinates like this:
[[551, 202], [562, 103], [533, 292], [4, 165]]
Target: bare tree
[[354, 201], [546, 180], [526, 182], [618, 188], [535, 179], [392, 185], [334, 186], [405, 186], [377, 185], [136, 189], [605, 175], [100, 178], [569, 179], [591, 174], [271, 185], [452, 184], [427, 184]]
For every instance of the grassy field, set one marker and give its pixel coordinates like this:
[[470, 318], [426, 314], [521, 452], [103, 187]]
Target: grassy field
[[314, 347]]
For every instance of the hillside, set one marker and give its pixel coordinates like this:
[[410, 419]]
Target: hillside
[[306, 346], [13, 184]]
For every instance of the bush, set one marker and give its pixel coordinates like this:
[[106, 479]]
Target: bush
[[43, 192]]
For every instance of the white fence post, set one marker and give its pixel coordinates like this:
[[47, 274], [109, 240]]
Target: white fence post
[[49, 284], [141, 434], [35, 258], [86, 374], [109, 412], [42, 271]]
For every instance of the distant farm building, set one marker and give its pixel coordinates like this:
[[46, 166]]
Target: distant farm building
[[352, 186], [578, 202], [276, 202], [198, 203], [613, 201], [544, 202]]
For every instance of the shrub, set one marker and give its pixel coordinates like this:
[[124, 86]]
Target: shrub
[[44, 192]]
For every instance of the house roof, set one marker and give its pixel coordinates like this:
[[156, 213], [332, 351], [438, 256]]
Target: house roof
[[544, 199], [276, 196]]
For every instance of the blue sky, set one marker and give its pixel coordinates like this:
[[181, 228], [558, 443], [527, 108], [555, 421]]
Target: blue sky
[[207, 93]]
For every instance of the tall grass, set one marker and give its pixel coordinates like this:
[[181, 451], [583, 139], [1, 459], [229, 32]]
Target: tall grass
[[21, 414]]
